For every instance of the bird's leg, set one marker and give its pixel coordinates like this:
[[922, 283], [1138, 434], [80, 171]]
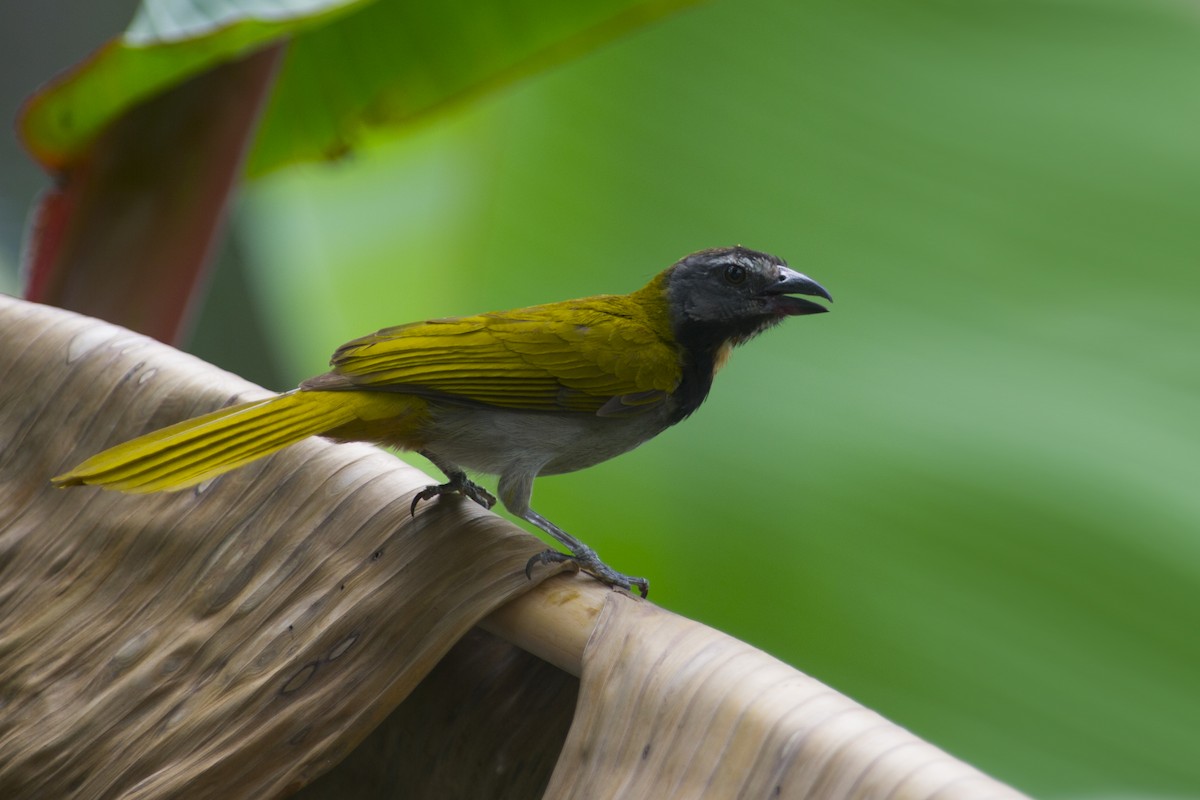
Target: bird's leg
[[516, 491], [459, 483], [581, 554]]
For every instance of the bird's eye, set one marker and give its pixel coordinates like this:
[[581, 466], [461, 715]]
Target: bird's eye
[[735, 274]]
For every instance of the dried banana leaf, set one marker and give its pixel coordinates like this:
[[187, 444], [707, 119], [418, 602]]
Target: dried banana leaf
[[236, 640]]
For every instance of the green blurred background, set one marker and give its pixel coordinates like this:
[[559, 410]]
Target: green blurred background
[[968, 496]]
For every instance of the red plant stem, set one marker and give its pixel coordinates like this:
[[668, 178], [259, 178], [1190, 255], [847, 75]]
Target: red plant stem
[[127, 232]]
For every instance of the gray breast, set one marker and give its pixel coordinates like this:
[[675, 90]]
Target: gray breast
[[496, 441]]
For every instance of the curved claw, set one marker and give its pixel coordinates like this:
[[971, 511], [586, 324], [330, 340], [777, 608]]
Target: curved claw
[[464, 487], [428, 493], [588, 562]]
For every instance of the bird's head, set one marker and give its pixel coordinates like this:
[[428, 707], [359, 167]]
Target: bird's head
[[734, 293]]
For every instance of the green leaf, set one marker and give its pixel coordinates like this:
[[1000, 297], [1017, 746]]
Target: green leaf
[[352, 64], [165, 21], [168, 42], [396, 61]]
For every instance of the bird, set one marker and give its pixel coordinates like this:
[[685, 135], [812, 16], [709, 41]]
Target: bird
[[518, 394]]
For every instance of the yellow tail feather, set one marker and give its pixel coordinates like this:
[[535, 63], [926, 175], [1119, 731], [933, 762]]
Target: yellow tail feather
[[195, 450]]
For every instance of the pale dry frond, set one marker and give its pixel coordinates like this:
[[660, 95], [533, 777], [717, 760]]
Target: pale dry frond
[[256, 636], [236, 640]]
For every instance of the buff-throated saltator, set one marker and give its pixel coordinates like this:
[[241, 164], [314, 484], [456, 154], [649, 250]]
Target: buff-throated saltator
[[535, 391]]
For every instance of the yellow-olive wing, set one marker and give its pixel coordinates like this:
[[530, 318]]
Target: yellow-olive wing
[[595, 355]]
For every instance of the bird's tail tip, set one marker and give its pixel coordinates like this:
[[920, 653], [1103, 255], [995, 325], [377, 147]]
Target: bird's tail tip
[[66, 479]]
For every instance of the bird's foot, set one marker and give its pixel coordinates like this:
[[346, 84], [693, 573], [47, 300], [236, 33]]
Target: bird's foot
[[587, 561], [458, 484]]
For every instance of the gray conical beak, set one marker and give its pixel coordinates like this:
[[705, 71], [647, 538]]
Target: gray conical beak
[[792, 283]]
